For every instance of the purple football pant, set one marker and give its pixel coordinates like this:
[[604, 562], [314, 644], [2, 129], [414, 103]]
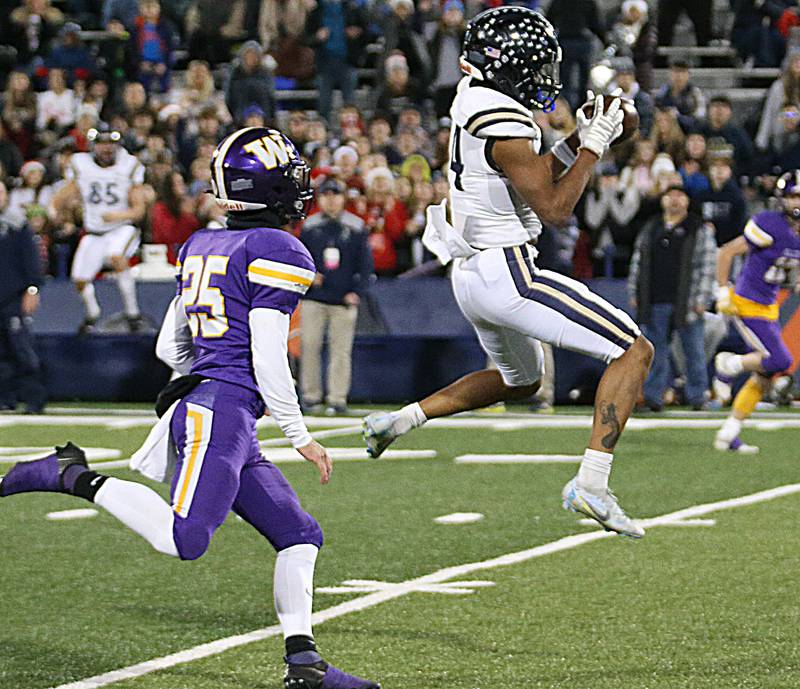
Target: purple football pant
[[220, 468], [763, 335]]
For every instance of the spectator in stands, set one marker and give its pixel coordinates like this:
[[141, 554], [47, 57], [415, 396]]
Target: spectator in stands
[[31, 29], [281, 21], [56, 107], [642, 100], [386, 219], [724, 204], [134, 99], [667, 135], [122, 12], [198, 92], [755, 32], [86, 120], [787, 144], [250, 83], [784, 91], [141, 126], [638, 170], [337, 31], [10, 157], [253, 116], [345, 164], [445, 50], [298, 128], [172, 219], [212, 26], [380, 137], [634, 36], [400, 89], [32, 191], [401, 34], [699, 12], [719, 124], [71, 55], [681, 94], [20, 279], [607, 213], [576, 22], [351, 124], [19, 111], [337, 241], [150, 50], [670, 284], [693, 169]]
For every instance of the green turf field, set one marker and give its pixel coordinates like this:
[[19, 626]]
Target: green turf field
[[708, 604]]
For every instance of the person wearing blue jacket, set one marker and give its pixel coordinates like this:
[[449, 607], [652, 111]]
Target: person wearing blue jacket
[[337, 241], [20, 278]]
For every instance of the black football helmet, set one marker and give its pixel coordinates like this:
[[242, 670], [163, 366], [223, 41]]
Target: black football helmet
[[515, 51]]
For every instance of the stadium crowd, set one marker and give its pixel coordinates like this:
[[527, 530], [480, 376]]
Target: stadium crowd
[[173, 77]]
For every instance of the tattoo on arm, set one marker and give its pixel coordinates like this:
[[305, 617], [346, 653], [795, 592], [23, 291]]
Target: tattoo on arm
[[608, 417]]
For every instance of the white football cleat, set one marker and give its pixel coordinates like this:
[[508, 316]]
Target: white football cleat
[[605, 510], [735, 445], [723, 362], [378, 432]]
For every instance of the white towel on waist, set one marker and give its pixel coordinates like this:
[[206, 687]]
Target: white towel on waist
[[441, 238], [156, 457]]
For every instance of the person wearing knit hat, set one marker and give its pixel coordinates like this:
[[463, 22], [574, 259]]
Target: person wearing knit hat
[[445, 50]]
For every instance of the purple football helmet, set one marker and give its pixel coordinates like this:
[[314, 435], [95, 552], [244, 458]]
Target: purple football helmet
[[258, 168], [788, 184]]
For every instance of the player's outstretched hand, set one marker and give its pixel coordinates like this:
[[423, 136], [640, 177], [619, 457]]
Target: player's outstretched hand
[[318, 455], [598, 131]]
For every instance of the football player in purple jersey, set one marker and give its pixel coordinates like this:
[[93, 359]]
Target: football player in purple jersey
[[771, 247], [226, 332]]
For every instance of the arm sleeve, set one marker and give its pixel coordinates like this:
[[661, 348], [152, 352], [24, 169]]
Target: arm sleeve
[[279, 282], [269, 334], [175, 346]]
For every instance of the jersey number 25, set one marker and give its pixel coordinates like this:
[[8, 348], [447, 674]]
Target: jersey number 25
[[205, 305]]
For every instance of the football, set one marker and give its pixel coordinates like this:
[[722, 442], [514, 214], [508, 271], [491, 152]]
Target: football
[[630, 120]]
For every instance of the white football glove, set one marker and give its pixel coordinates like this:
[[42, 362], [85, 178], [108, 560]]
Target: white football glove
[[724, 302], [597, 133]]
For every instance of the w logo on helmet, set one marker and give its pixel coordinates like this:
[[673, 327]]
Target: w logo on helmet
[[257, 168], [270, 150]]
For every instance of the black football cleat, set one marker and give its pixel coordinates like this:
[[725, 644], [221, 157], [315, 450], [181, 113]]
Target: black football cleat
[[42, 474], [321, 675]]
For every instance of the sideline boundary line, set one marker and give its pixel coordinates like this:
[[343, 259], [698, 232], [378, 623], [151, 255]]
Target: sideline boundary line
[[406, 587]]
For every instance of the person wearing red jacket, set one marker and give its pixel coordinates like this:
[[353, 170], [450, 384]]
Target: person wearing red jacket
[[173, 220], [386, 220]]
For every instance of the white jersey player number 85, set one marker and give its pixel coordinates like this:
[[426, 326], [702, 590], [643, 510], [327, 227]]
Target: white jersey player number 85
[[197, 270]]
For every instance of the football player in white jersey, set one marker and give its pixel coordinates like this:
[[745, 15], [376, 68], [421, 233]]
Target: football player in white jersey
[[501, 189], [109, 183]]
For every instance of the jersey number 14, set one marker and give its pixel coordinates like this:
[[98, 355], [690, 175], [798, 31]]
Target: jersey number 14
[[205, 305]]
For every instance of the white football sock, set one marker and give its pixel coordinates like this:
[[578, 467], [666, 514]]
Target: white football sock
[[730, 429], [594, 471], [410, 416], [293, 588], [127, 288], [735, 365], [90, 302], [141, 510]]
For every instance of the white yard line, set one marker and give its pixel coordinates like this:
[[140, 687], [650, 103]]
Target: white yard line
[[406, 587], [517, 459]]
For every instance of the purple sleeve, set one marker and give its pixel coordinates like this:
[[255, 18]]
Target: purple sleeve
[[278, 273]]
